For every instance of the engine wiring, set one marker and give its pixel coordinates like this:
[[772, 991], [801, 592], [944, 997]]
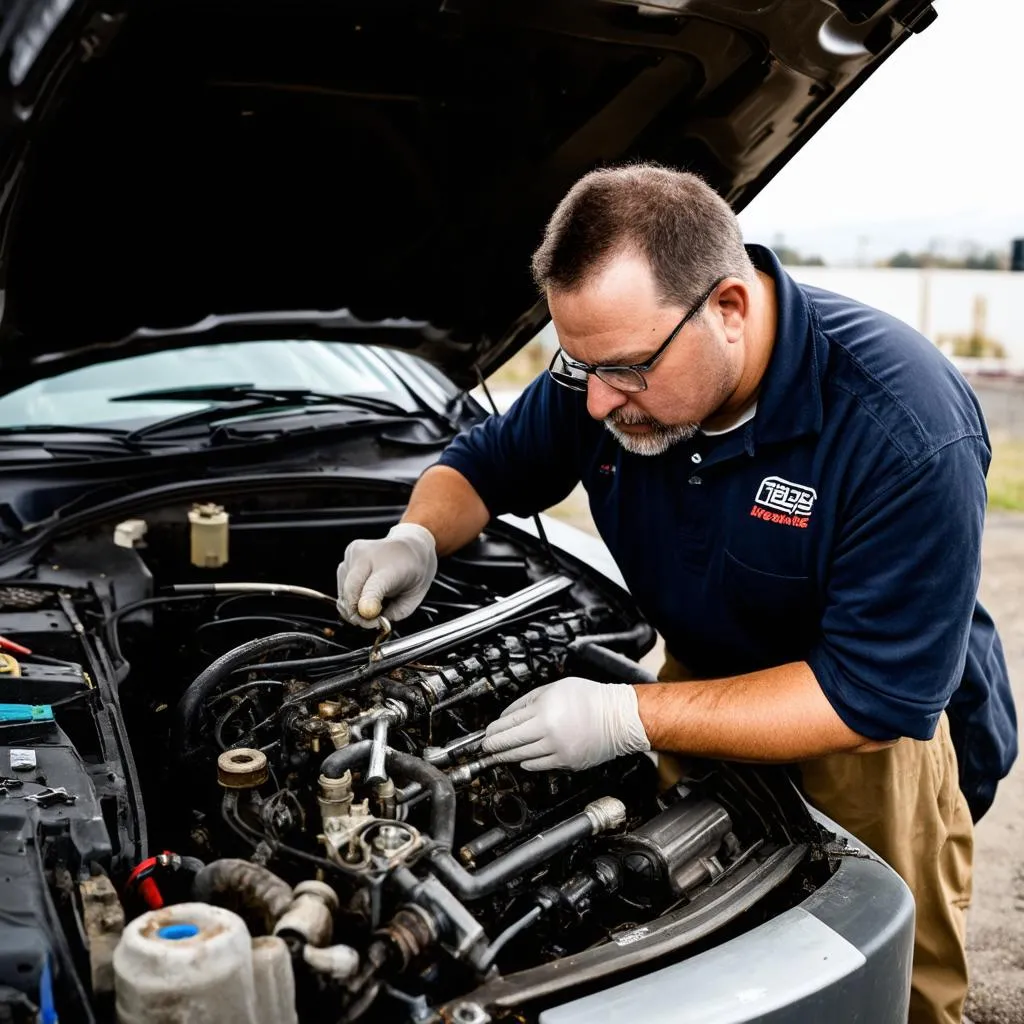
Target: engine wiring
[[445, 870], [286, 748]]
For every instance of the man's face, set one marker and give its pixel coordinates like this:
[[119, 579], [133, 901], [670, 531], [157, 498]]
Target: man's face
[[616, 318]]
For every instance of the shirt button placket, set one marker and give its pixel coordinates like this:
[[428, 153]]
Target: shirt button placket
[[697, 521]]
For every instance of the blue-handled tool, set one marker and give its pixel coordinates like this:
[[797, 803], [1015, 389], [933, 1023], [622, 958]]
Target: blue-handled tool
[[26, 713]]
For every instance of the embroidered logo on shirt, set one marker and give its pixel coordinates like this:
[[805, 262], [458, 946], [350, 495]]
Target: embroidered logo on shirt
[[784, 502]]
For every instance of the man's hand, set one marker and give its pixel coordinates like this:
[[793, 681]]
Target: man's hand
[[399, 567], [572, 723]]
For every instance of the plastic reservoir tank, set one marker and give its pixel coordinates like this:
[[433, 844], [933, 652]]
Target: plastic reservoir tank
[[197, 963]]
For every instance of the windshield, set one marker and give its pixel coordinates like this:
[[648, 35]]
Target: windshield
[[85, 397]]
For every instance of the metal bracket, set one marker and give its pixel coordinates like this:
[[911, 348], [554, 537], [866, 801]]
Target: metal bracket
[[50, 796]]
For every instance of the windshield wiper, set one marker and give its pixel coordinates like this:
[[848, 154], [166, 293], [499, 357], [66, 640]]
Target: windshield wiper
[[63, 428], [244, 399], [65, 439]]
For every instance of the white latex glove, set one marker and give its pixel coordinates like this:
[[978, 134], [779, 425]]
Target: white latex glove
[[398, 569], [572, 723]]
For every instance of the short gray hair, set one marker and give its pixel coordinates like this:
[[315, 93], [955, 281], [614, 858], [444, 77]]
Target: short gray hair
[[685, 230]]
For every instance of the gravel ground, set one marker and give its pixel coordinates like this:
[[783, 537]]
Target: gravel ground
[[995, 923], [996, 919]]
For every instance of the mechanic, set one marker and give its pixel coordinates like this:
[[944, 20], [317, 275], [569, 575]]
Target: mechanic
[[793, 486]]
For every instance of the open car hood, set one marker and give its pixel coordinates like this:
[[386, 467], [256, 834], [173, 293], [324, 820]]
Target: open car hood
[[377, 171]]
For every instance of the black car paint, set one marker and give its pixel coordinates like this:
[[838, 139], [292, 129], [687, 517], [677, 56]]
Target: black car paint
[[178, 170]]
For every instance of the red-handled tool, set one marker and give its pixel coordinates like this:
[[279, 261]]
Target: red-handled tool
[[142, 878], [10, 645]]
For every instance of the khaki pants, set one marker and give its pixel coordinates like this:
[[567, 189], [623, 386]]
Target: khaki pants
[[905, 803]]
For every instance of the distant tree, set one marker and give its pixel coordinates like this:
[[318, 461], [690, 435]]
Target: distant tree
[[990, 260], [974, 260], [791, 257], [903, 259]]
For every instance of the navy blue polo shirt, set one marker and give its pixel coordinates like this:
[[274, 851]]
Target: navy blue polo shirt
[[840, 526]]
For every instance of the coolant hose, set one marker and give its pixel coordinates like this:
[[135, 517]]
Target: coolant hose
[[411, 696], [409, 769], [187, 712], [247, 886], [640, 635], [344, 759], [610, 663], [440, 788]]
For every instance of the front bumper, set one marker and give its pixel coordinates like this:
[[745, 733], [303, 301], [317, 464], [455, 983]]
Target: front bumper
[[843, 955]]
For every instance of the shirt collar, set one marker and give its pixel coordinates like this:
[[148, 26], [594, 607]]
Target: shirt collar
[[789, 403], [744, 417]]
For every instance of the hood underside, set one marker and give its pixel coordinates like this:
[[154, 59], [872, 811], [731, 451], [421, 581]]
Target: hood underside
[[172, 162]]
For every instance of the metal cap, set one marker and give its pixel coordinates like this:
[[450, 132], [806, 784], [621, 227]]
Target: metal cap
[[242, 768], [606, 812]]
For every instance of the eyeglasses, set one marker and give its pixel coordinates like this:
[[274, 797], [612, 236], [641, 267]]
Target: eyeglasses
[[631, 379]]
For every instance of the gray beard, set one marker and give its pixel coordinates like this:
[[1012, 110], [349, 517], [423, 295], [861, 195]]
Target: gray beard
[[659, 439]]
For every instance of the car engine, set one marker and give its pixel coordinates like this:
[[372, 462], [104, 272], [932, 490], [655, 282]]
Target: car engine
[[225, 802]]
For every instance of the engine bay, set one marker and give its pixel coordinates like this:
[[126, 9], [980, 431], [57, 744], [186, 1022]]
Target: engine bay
[[201, 760]]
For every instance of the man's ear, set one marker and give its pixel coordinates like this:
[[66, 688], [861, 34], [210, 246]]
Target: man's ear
[[732, 302]]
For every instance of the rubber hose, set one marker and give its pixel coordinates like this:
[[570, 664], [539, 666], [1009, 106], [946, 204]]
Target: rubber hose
[[247, 886], [610, 663], [438, 785], [339, 761], [640, 635], [190, 867], [192, 700], [409, 695]]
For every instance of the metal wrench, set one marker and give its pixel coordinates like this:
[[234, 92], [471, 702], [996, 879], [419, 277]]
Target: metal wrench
[[385, 632]]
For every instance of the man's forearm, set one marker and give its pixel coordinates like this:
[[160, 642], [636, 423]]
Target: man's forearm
[[779, 714], [445, 502]]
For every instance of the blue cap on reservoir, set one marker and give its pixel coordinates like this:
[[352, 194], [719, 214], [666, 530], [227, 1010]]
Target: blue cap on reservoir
[[178, 931]]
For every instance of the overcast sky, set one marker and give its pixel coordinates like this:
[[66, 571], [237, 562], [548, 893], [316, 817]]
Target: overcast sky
[[931, 147]]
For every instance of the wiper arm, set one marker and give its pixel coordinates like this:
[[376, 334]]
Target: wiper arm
[[244, 399]]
